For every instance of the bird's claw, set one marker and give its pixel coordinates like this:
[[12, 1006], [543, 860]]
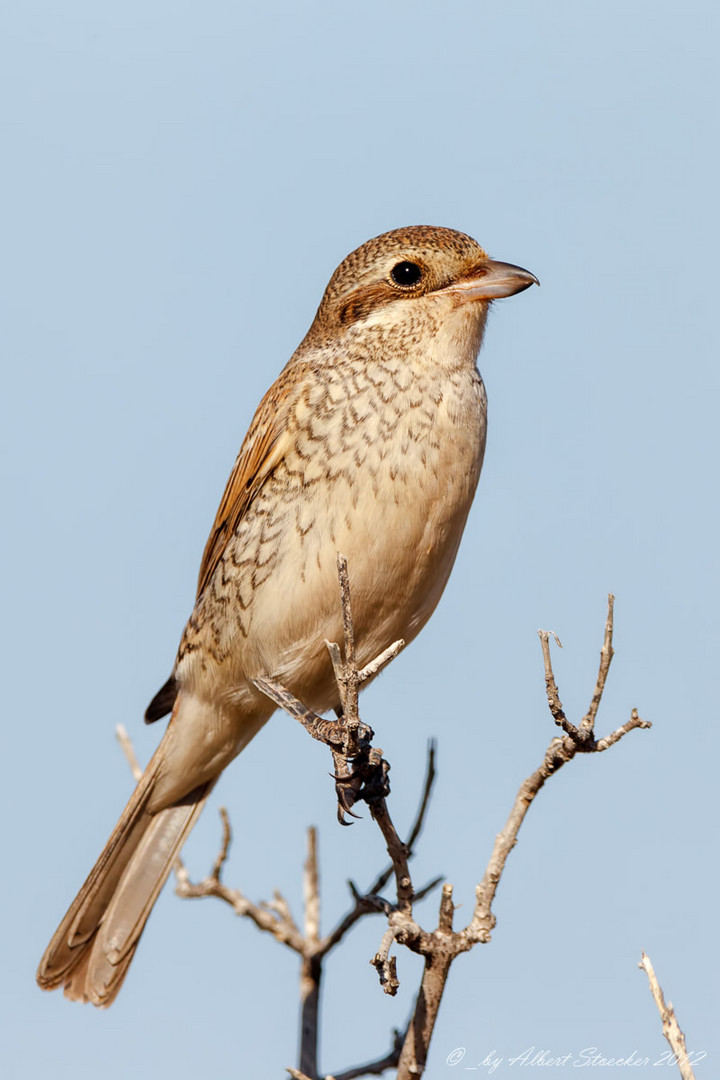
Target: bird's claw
[[363, 778]]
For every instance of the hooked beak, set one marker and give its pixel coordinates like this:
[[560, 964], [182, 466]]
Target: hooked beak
[[490, 281]]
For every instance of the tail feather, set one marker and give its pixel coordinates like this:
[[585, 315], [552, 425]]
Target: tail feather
[[92, 948]]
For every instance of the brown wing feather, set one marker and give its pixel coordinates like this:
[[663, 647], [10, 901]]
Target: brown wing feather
[[262, 450]]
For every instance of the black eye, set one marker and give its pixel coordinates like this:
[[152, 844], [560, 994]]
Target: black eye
[[406, 273]]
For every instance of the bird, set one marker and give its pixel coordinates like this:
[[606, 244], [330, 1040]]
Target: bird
[[370, 442]]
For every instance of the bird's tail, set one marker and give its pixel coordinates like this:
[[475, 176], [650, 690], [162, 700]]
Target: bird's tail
[[91, 950]]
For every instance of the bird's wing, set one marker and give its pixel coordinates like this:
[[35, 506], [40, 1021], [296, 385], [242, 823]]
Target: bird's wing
[[264, 446]]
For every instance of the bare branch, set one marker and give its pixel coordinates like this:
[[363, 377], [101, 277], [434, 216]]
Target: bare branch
[[413, 1057], [430, 774], [386, 965], [274, 918], [375, 1068], [347, 673], [553, 695], [283, 930], [583, 736], [365, 904], [606, 655], [447, 910], [222, 855], [371, 669], [128, 750], [369, 902], [615, 736], [311, 969], [370, 1068], [483, 921], [279, 905], [670, 1026], [558, 753], [440, 951], [427, 889], [311, 890], [441, 947], [398, 853], [348, 625]]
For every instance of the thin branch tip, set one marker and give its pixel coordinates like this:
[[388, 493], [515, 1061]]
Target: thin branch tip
[[129, 751], [670, 1027]]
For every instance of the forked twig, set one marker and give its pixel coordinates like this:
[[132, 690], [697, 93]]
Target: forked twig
[[441, 947]]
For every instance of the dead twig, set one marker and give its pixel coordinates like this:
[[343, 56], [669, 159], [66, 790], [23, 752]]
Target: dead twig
[[375, 1068], [311, 967], [129, 751], [224, 846], [441, 947], [386, 965], [273, 917], [671, 1028]]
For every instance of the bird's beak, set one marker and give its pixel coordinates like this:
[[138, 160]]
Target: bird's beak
[[491, 280]]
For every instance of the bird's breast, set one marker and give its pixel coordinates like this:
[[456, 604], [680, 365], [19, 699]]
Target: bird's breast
[[383, 467]]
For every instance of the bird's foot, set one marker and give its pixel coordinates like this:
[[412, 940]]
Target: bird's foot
[[363, 778]]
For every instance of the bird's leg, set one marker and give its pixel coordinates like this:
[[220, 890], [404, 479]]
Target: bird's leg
[[360, 773], [325, 731]]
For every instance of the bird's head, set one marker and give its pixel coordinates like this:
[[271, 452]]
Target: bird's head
[[420, 276]]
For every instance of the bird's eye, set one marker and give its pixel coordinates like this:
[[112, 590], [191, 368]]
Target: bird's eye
[[406, 274]]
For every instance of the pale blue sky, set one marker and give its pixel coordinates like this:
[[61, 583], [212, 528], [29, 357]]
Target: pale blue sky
[[178, 182]]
